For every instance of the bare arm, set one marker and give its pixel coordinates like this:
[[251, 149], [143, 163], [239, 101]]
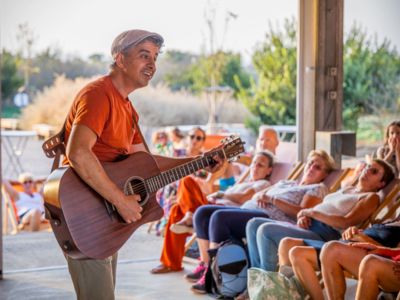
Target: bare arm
[[10, 190], [355, 234], [359, 213], [239, 198], [88, 167], [289, 208]]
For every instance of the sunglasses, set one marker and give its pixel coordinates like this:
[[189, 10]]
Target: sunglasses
[[197, 137], [373, 170], [28, 181]]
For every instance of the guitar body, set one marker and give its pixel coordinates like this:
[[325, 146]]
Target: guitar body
[[83, 226]]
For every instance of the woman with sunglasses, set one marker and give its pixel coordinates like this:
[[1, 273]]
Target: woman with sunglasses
[[29, 203], [189, 196], [166, 197]]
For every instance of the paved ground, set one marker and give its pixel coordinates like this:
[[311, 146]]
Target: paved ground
[[34, 268]]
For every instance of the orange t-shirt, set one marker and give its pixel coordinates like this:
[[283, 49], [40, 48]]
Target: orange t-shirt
[[101, 107]]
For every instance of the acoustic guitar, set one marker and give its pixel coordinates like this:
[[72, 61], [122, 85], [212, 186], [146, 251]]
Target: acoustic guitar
[[88, 226]]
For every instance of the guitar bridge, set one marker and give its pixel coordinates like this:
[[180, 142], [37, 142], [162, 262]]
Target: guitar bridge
[[112, 211]]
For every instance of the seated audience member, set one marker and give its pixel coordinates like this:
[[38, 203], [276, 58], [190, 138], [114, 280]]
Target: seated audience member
[[260, 171], [324, 222], [376, 266], [29, 203], [167, 196], [173, 248], [162, 144], [215, 224], [303, 255], [390, 152], [267, 140], [178, 141]]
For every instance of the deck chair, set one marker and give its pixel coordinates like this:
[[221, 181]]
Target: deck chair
[[10, 217], [10, 213], [332, 181], [390, 201], [334, 178]]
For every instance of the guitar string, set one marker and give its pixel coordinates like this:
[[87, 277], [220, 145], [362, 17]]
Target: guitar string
[[141, 187]]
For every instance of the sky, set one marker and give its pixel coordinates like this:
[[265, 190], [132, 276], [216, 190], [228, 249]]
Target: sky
[[84, 27]]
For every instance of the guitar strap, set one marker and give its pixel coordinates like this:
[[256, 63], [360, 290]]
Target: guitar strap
[[54, 147]]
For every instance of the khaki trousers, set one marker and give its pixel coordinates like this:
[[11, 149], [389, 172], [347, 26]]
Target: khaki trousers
[[93, 279]]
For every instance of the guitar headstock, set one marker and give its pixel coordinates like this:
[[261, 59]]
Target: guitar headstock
[[233, 146]]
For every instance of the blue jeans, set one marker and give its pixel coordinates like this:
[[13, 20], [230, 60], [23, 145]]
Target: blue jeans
[[263, 237], [220, 223]]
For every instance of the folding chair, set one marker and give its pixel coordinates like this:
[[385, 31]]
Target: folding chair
[[332, 181], [9, 214], [390, 201]]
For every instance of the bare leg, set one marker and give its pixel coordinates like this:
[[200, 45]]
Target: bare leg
[[305, 262], [335, 258], [33, 219], [284, 247], [375, 272], [204, 245]]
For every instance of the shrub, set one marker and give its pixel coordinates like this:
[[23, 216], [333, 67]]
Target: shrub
[[157, 106]]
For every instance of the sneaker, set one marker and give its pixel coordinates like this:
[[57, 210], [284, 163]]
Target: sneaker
[[197, 273], [200, 286]]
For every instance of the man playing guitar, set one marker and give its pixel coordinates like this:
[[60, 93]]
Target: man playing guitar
[[100, 128]]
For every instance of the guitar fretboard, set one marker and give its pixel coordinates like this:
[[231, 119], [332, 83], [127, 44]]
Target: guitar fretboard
[[164, 178]]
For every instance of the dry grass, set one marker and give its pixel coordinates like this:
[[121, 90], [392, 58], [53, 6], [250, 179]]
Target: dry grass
[[157, 106]]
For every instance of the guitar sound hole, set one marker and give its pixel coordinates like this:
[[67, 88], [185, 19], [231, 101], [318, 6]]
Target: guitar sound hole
[[137, 186]]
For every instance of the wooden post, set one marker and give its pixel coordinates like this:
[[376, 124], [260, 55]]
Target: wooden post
[[320, 71], [1, 196]]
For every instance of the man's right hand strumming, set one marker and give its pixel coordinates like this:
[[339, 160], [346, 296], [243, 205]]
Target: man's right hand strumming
[[129, 208]]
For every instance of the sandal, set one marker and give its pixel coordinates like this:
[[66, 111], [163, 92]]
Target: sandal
[[162, 269]]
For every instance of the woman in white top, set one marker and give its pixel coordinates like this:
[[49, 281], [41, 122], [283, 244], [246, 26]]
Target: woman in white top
[[28, 202], [236, 195]]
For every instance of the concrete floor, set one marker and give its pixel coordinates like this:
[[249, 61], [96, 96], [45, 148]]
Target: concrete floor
[[34, 268]]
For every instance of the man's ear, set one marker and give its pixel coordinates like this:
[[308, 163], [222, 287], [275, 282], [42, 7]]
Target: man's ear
[[119, 60]]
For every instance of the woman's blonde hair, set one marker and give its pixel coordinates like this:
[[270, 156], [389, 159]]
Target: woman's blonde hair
[[328, 160]]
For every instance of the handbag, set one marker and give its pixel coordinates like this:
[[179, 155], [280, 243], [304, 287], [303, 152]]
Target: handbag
[[266, 285]]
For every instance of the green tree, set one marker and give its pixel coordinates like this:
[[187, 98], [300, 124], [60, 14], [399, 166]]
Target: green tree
[[221, 68], [50, 63], [10, 79], [272, 96], [371, 77]]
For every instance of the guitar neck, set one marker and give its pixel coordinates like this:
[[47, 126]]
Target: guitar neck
[[164, 178]]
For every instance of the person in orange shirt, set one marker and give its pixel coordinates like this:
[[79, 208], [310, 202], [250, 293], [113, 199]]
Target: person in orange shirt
[[100, 128]]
